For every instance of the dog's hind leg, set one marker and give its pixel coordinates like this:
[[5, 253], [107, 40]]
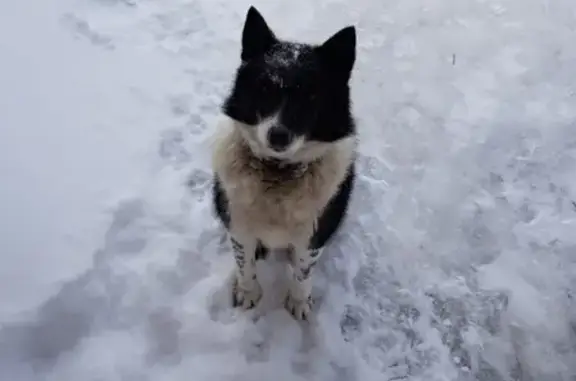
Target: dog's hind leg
[[246, 291], [299, 299]]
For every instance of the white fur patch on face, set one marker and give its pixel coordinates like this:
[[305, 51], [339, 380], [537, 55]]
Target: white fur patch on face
[[262, 147], [263, 127], [300, 150]]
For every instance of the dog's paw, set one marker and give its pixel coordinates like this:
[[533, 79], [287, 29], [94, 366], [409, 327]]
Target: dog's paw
[[299, 309], [246, 298]]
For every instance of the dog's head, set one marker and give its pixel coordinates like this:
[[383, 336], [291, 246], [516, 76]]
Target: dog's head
[[291, 100]]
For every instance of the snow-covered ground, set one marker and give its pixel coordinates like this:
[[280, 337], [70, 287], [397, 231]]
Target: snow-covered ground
[[458, 260]]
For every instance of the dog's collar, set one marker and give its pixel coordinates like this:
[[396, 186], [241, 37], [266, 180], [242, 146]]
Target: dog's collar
[[283, 166], [280, 170]]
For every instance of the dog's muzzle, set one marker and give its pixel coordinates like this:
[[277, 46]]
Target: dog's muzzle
[[279, 138]]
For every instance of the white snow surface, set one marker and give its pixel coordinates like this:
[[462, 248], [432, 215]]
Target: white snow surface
[[458, 258]]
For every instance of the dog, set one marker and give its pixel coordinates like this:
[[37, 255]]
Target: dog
[[284, 156]]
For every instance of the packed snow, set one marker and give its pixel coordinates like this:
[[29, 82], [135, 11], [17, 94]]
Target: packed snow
[[458, 258]]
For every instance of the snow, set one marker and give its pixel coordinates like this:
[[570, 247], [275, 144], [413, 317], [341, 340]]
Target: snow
[[458, 260]]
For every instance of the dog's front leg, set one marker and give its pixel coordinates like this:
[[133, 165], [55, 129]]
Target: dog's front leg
[[246, 291], [299, 300]]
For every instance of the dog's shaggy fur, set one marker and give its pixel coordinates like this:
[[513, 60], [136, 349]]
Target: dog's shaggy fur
[[284, 155]]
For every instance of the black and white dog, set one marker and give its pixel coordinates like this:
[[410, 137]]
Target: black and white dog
[[284, 155]]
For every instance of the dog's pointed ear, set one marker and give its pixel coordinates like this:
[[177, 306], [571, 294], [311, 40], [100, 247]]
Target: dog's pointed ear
[[257, 37], [338, 53]]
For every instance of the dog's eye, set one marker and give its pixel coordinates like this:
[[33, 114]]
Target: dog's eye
[[265, 97], [270, 83], [264, 88]]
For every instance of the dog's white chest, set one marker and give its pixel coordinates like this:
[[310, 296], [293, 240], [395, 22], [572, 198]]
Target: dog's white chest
[[278, 211]]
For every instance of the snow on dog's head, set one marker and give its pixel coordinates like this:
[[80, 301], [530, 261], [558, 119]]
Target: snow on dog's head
[[290, 99]]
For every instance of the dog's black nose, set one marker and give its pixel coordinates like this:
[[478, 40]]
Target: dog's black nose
[[279, 138]]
